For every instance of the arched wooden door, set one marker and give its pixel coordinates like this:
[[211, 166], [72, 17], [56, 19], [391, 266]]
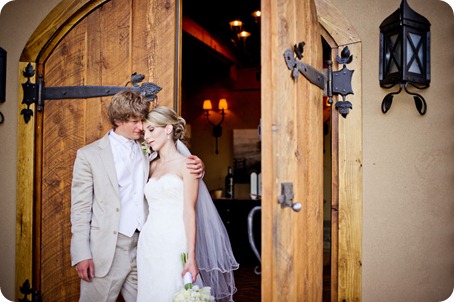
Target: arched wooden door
[[101, 43]]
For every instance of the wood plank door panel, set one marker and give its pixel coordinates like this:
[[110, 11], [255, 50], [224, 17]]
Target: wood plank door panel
[[62, 134], [104, 48], [292, 242]]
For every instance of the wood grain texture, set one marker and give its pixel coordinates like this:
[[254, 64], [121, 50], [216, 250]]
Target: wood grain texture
[[24, 194], [268, 151], [334, 203], [335, 23], [141, 39], [64, 125], [59, 21], [103, 47], [346, 264], [350, 190], [96, 124], [162, 19], [292, 121]]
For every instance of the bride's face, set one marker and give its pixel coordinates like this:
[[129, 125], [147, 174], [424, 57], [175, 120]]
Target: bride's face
[[156, 137]]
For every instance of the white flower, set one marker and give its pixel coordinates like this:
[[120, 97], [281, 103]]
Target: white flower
[[145, 148], [194, 294], [190, 292]]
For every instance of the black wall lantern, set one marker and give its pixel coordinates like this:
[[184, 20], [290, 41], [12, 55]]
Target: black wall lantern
[[405, 54], [2, 80]]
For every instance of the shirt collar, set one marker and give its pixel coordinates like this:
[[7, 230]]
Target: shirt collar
[[119, 138]]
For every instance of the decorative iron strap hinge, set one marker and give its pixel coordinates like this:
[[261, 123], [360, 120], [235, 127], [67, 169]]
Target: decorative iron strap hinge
[[37, 93], [337, 82]]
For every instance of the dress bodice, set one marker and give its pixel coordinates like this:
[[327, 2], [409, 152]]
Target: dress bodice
[[165, 192]]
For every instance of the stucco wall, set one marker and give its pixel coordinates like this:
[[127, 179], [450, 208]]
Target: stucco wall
[[408, 159], [18, 20], [408, 162]]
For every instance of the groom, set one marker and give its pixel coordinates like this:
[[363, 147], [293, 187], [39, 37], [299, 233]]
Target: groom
[[108, 208]]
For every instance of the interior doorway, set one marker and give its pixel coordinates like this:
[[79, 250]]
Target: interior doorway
[[217, 65]]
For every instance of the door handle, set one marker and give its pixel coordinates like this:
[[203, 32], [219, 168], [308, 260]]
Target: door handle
[[286, 197], [250, 233]]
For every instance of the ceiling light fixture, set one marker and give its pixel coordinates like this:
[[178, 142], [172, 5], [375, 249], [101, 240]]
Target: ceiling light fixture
[[236, 26], [240, 33]]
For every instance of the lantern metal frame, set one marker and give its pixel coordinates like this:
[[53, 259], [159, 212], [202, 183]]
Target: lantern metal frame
[[2, 80], [405, 55]]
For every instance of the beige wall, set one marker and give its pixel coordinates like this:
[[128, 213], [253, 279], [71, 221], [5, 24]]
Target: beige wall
[[18, 20], [408, 166], [408, 159]]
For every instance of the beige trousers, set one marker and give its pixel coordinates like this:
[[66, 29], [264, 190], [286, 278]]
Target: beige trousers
[[122, 276]]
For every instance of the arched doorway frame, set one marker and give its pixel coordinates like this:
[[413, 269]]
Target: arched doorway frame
[[347, 162]]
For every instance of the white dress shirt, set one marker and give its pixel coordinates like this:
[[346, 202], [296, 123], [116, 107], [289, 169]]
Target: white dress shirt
[[129, 164]]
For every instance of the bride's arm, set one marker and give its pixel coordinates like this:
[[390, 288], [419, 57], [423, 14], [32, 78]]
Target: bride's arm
[[190, 187]]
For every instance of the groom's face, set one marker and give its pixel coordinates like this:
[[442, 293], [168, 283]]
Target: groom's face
[[131, 129]]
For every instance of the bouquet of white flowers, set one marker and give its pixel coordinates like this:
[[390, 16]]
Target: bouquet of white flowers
[[190, 292], [194, 294]]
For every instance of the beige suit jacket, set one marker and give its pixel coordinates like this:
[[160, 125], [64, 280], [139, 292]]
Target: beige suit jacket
[[95, 205]]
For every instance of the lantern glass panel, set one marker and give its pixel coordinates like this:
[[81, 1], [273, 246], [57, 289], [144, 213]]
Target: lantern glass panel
[[393, 54], [2, 76], [415, 66]]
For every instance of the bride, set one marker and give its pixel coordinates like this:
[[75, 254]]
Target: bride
[[182, 219]]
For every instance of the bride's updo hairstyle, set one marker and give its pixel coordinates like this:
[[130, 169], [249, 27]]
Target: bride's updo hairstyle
[[162, 116]]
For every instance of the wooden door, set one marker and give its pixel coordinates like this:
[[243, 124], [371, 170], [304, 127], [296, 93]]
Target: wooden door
[[104, 46], [292, 242]]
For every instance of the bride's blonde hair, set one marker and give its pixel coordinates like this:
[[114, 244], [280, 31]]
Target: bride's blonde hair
[[162, 116]]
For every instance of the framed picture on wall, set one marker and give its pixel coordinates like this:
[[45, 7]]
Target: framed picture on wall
[[246, 154]]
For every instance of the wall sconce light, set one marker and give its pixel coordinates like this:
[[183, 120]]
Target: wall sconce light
[[217, 129], [405, 54], [2, 80]]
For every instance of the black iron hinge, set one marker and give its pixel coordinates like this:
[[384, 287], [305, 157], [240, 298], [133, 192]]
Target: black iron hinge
[[336, 82], [36, 93]]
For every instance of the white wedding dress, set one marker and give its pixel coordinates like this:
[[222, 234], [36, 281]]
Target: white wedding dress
[[162, 240]]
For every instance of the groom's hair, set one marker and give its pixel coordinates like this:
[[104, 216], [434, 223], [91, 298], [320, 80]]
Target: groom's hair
[[125, 105]]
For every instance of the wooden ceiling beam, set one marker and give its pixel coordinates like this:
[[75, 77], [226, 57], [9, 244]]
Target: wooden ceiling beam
[[198, 32]]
